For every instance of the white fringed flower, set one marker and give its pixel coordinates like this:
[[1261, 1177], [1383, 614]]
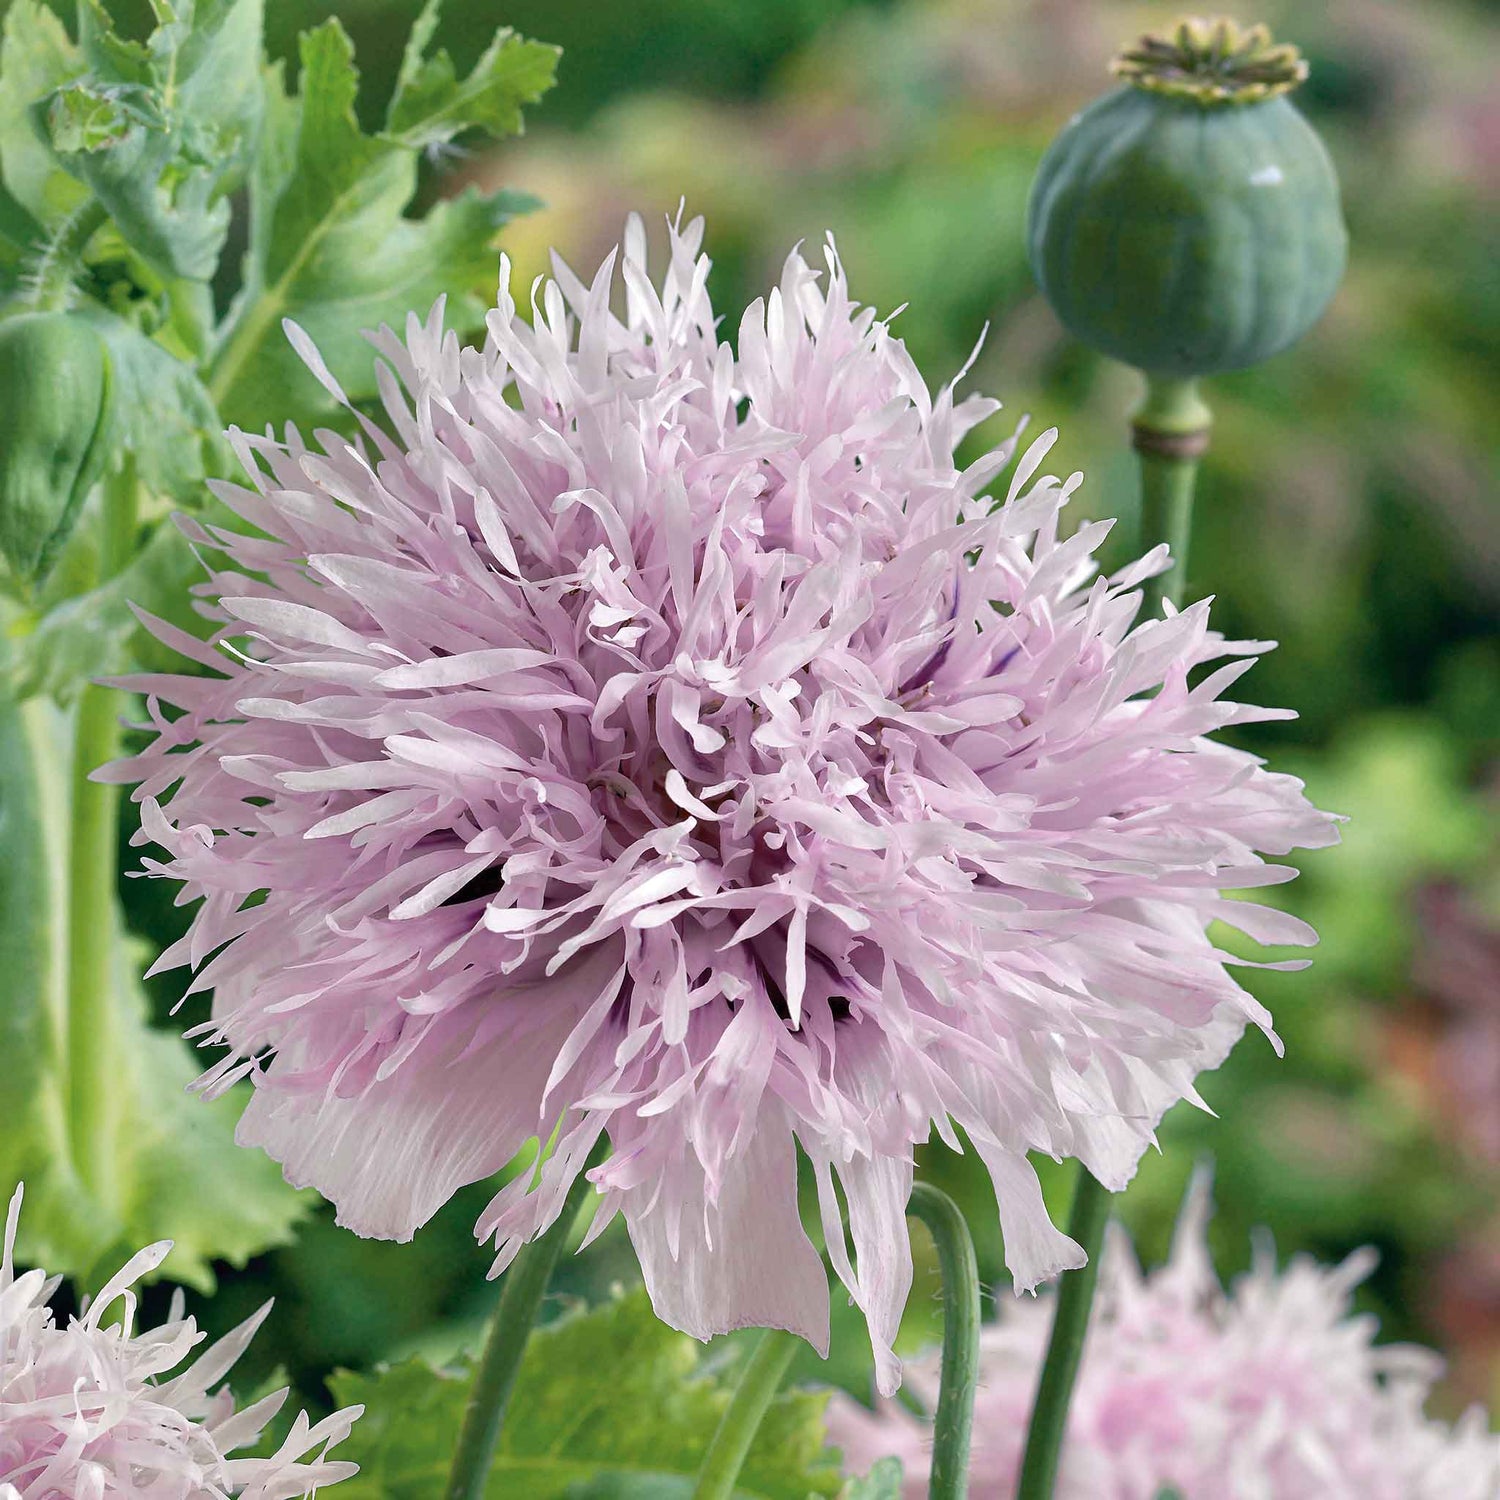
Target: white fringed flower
[[663, 739], [89, 1412]]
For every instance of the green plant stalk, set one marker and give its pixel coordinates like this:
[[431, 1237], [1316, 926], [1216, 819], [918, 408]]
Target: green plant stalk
[[495, 1378], [954, 1420], [50, 276], [1170, 436], [736, 1431], [92, 917], [1070, 1323], [1166, 513]]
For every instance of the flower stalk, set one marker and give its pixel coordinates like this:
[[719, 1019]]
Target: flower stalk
[[93, 858], [1075, 1298], [495, 1378], [954, 1420], [1170, 435], [736, 1431]]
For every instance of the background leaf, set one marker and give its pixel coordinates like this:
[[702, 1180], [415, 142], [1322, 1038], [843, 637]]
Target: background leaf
[[331, 242], [883, 1482], [609, 1403], [160, 131], [36, 57]]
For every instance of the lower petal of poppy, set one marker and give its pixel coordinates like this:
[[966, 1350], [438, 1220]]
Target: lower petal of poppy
[[1036, 1250], [456, 1111], [877, 1189], [1111, 1146], [760, 1271]]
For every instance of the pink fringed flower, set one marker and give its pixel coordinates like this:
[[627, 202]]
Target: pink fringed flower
[[665, 739], [1274, 1391], [93, 1413]]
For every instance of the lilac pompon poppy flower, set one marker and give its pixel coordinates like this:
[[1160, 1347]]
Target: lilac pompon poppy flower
[[659, 738], [1274, 1390], [89, 1412]]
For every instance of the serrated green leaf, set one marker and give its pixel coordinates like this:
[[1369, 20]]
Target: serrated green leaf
[[160, 132], [36, 58], [371, 269], [331, 243], [114, 57], [883, 1482], [610, 1404], [191, 1183], [80, 118], [432, 104], [175, 1172]]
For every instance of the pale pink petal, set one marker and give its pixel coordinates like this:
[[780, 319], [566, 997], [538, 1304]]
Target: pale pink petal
[[389, 1156], [751, 1265]]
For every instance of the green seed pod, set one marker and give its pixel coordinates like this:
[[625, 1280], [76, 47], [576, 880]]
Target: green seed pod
[[54, 421], [1189, 222]]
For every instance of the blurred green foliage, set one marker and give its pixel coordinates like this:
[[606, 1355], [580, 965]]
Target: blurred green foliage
[[1346, 510]]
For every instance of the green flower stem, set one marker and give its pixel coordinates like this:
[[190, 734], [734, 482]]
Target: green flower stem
[[92, 918], [525, 1285], [1070, 1322], [742, 1417], [50, 276], [954, 1419], [1170, 435]]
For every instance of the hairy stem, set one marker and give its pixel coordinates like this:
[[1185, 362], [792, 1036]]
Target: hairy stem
[[742, 1418], [49, 278], [1070, 1322], [525, 1285], [954, 1419], [92, 918]]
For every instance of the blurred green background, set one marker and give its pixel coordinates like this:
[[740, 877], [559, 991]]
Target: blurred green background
[[1346, 509]]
